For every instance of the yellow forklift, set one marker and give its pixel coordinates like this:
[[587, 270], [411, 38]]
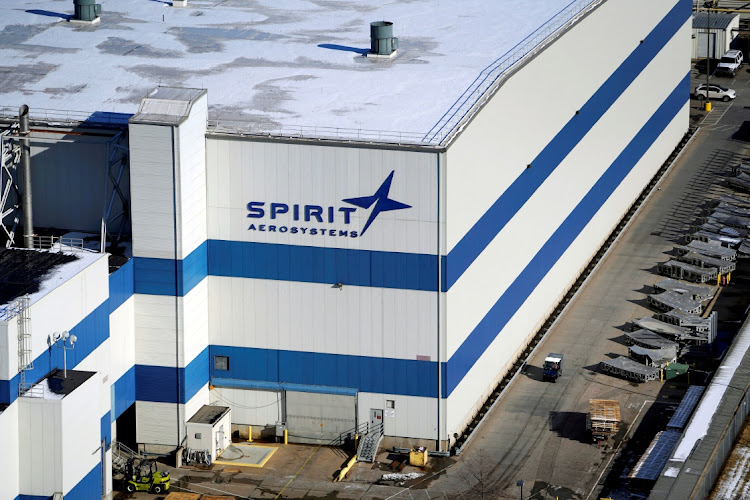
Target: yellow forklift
[[141, 474]]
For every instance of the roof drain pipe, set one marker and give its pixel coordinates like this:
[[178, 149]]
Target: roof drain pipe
[[28, 218]]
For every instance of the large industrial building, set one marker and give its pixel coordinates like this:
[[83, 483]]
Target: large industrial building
[[256, 205]]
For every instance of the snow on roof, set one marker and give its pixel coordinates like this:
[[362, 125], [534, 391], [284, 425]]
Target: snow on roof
[[297, 62]]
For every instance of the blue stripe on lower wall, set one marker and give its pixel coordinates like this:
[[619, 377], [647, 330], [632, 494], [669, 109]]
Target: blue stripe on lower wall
[[525, 283], [158, 384], [124, 392], [510, 202], [88, 488], [368, 374]]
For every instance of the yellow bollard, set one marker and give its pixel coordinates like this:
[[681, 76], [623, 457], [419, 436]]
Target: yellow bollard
[[249, 433], [285, 437], [718, 280], [708, 106]]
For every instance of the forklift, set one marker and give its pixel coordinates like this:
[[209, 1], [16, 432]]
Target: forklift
[[141, 474]]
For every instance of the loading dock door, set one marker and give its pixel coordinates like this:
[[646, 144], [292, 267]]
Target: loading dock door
[[315, 418]]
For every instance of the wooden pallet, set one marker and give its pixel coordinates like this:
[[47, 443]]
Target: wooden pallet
[[604, 417], [179, 495]]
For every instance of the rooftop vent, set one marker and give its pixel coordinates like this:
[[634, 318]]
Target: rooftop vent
[[382, 42], [86, 10]]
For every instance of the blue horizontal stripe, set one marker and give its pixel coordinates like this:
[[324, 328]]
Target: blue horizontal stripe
[[323, 265], [407, 271], [121, 285], [124, 392], [158, 384], [163, 277], [522, 287], [473, 243], [276, 386], [105, 431], [367, 374]]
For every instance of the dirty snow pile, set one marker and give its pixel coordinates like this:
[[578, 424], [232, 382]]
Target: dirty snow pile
[[402, 477]]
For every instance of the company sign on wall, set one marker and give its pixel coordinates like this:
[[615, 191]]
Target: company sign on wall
[[320, 220]]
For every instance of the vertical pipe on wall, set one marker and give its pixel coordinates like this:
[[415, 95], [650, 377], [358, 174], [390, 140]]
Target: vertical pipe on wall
[[28, 218], [175, 150], [439, 288]]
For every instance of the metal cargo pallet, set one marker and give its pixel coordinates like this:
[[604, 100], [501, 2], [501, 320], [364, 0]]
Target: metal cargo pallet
[[686, 320], [708, 236], [658, 358], [627, 368], [712, 249], [704, 261], [650, 340], [680, 270], [660, 327], [701, 293], [666, 301]]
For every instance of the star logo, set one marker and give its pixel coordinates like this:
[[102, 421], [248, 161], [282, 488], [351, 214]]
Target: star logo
[[381, 201]]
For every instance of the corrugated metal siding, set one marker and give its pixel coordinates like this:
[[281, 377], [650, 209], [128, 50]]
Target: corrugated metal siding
[[319, 418], [9, 458], [151, 185], [539, 207], [192, 178]]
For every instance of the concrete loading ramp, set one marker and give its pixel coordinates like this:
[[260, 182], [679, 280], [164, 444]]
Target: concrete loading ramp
[[246, 455]]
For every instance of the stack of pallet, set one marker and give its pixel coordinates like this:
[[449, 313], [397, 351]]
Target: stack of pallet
[[603, 419]]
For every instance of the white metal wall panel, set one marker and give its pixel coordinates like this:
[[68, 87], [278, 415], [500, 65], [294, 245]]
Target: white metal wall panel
[[546, 209], [483, 283], [249, 407], [533, 105], [192, 177], [8, 349], [62, 308], [240, 171], [40, 437], [156, 324], [80, 433], [195, 325], [413, 417], [9, 458], [315, 317], [99, 362], [67, 177], [151, 188], [122, 339], [155, 423]]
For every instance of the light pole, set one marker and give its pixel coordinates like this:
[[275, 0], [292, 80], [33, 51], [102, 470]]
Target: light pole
[[708, 53], [520, 484], [68, 343]]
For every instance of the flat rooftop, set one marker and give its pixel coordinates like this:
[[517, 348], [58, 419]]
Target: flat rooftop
[[276, 65]]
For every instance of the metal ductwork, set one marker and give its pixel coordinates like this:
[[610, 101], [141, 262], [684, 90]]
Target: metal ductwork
[[28, 217], [382, 42], [86, 10]]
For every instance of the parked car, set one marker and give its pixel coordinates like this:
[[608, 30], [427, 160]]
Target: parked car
[[715, 92], [729, 63]]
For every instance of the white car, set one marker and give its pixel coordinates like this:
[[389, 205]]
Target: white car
[[715, 92]]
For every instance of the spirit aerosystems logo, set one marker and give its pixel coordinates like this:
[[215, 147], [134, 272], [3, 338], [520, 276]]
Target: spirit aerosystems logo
[[312, 219]]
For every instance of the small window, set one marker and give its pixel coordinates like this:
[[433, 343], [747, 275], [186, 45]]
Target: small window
[[198, 435], [390, 403], [221, 363]]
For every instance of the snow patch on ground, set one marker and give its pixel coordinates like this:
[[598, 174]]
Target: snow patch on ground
[[402, 477]]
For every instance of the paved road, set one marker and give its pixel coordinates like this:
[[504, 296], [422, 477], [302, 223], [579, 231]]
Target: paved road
[[536, 433]]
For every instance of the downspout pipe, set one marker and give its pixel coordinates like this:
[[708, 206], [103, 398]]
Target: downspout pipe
[[28, 216]]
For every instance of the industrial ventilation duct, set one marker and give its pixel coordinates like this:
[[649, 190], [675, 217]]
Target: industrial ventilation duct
[[86, 10], [382, 42]]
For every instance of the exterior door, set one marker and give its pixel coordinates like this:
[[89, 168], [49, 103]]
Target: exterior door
[[703, 44], [376, 417]]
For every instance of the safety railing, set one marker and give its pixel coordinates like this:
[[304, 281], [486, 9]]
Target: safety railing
[[239, 127], [68, 116], [57, 242], [465, 105]]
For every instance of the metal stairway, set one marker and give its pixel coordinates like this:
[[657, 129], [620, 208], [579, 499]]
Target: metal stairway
[[120, 456], [369, 444]]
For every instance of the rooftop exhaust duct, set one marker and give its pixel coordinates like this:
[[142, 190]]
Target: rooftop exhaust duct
[[382, 42], [86, 10], [28, 218]]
